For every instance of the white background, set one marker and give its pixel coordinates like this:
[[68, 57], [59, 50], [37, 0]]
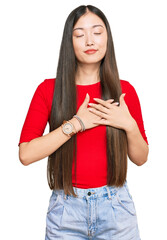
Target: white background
[[31, 33]]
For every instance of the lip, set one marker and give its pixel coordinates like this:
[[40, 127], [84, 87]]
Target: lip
[[91, 51]]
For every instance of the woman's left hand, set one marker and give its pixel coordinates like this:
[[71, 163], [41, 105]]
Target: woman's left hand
[[112, 114]]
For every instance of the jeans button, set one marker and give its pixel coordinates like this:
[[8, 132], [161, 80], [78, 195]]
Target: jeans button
[[89, 193]]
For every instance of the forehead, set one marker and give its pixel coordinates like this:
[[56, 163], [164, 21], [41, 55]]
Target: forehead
[[88, 20]]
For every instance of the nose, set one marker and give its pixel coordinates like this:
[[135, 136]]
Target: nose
[[89, 40]]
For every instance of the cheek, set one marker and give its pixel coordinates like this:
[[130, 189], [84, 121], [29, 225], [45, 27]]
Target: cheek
[[77, 47], [102, 45]]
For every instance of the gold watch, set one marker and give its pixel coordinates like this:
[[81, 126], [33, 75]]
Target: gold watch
[[68, 128]]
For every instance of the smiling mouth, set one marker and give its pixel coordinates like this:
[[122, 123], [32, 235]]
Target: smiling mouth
[[91, 51]]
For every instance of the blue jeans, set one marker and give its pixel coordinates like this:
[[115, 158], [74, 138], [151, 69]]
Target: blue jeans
[[103, 213]]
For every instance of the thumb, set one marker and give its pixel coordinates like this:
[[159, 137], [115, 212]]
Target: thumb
[[121, 99], [86, 100]]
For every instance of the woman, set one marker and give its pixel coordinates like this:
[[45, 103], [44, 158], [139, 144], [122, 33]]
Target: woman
[[94, 126]]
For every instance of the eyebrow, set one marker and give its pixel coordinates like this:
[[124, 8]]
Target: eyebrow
[[92, 27]]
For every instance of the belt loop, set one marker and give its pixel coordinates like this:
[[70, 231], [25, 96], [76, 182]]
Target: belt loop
[[109, 195]]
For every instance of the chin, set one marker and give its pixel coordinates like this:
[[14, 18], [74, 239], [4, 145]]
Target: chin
[[90, 61]]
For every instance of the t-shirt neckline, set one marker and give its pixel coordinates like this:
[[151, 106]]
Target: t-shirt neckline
[[88, 85]]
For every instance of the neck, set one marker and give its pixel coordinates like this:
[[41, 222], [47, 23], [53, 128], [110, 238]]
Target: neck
[[87, 74]]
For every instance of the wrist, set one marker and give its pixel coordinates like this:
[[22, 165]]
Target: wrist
[[132, 125], [76, 124]]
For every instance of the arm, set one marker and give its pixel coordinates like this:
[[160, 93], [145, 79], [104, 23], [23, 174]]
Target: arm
[[129, 120], [137, 147], [137, 140], [43, 146], [33, 146]]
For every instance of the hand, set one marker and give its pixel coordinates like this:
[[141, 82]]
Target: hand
[[111, 114], [89, 119], [86, 116]]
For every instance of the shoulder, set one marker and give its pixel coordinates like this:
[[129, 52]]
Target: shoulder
[[45, 91], [47, 83], [46, 88], [131, 96], [126, 86]]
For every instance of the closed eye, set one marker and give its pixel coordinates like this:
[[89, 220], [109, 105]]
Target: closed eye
[[80, 36], [83, 35]]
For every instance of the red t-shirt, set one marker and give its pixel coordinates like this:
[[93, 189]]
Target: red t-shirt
[[91, 144]]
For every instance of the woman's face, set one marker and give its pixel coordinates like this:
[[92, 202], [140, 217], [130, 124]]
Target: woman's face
[[89, 39]]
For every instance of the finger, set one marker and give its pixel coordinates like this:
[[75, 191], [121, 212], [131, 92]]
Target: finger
[[102, 122], [121, 99], [99, 107], [86, 101], [115, 104], [98, 113], [103, 102], [110, 100]]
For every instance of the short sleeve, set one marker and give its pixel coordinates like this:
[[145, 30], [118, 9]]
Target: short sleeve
[[37, 115], [133, 103]]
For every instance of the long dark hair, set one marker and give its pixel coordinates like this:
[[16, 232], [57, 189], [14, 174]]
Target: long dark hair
[[59, 169]]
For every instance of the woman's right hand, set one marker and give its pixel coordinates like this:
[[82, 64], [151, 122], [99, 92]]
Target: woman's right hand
[[86, 116]]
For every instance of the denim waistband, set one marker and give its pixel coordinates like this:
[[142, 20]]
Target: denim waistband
[[96, 192]]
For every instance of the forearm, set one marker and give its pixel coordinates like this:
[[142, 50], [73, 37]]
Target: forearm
[[137, 147], [43, 146]]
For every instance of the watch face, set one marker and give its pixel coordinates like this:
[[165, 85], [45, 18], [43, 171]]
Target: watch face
[[67, 128]]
